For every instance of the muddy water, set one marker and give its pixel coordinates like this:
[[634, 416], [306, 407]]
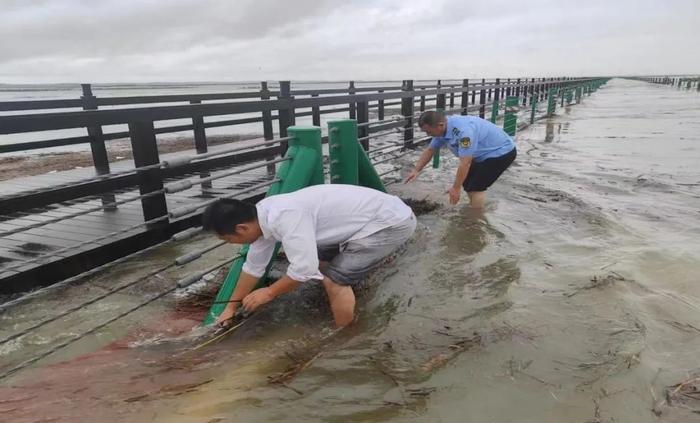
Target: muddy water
[[573, 298]]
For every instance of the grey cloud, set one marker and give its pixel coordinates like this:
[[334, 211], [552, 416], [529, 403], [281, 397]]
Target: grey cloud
[[71, 40], [81, 28]]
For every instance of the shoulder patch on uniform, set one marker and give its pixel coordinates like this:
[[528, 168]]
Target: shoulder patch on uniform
[[455, 132], [465, 142]]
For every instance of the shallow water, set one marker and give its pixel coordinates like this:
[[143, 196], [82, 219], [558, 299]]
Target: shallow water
[[575, 297]]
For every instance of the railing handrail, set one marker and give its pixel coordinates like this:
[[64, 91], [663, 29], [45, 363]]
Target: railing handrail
[[23, 123]]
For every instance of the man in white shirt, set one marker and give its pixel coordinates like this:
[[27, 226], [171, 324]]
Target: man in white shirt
[[353, 228]]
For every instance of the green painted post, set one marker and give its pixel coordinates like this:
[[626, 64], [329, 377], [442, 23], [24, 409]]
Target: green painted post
[[494, 111], [342, 143], [510, 117], [551, 102], [533, 110], [304, 168]]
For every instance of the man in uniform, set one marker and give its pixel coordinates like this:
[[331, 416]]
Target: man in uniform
[[484, 151]]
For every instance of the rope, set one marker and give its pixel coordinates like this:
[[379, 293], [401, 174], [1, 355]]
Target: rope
[[80, 213], [64, 282], [84, 304], [379, 134], [131, 228], [31, 361], [84, 334], [90, 241], [163, 164], [379, 122], [374, 150], [218, 337]]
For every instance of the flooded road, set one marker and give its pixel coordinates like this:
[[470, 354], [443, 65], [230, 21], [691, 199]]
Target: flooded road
[[575, 297]]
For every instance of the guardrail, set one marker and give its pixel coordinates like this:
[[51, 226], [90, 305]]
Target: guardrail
[[393, 108]]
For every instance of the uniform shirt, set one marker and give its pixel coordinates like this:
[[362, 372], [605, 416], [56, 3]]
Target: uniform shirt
[[320, 215], [473, 136]]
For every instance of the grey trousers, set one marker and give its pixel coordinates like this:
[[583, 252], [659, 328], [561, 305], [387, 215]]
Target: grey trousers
[[350, 262]]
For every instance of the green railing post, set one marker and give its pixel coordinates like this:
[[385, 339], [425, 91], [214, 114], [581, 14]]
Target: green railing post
[[533, 109], [510, 116], [304, 168], [551, 102], [342, 151]]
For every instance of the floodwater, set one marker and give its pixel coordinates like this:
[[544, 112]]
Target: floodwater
[[573, 298]]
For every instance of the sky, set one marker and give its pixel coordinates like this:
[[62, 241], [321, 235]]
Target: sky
[[46, 41]]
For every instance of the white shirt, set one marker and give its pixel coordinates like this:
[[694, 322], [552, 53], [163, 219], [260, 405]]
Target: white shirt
[[320, 215]]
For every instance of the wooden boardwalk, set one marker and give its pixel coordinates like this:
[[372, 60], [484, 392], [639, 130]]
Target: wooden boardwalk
[[31, 249]]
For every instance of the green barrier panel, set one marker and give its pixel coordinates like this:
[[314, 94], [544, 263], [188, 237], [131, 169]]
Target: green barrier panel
[[349, 161], [494, 111], [510, 117], [304, 168]]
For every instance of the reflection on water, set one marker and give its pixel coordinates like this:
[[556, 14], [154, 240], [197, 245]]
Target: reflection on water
[[552, 128], [574, 297], [549, 132]]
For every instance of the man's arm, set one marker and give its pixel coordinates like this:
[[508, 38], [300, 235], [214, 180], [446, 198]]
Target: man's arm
[[298, 234], [246, 283], [420, 163], [462, 172], [257, 259], [265, 295]]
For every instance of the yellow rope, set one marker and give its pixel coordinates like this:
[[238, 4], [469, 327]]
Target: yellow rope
[[218, 337]]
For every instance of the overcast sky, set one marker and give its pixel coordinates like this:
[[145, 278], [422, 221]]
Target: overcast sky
[[209, 40]]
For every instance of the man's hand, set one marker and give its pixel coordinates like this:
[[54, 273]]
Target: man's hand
[[411, 176], [257, 298], [454, 195], [227, 314]]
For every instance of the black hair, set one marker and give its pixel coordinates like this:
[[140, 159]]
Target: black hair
[[223, 215], [431, 118]]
